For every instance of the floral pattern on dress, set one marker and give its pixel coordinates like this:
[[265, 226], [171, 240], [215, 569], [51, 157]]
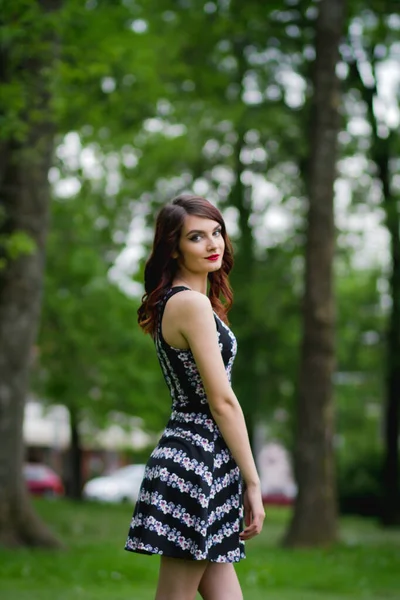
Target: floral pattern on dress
[[135, 544], [179, 398], [173, 480], [220, 483], [179, 512], [195, 438], [190, 501], [229, 366], [189, 464], [184, 542], [197, 418], [193, 375], [222, 458]]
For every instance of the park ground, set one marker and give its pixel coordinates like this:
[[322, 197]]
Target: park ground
[[94, 566]]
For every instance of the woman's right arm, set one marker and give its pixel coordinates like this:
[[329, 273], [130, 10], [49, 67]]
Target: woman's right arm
[[197, 325]]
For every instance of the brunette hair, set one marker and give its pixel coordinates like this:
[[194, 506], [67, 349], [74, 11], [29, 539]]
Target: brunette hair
[[161, 267]]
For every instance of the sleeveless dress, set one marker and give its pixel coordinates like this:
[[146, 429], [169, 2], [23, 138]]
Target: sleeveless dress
[[190, 501]]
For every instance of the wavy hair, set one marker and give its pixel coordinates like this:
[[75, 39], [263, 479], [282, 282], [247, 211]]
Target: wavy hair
[[161, 268]]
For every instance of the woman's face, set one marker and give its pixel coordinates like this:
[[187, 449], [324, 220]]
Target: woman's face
[[201, 245]]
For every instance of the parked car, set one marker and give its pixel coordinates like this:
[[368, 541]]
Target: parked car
[[41, 480], [279, 496], [277, 499], [122, 485]]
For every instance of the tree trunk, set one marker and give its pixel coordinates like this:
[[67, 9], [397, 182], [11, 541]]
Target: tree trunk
[[242, 279], [382, 152], [75, 459], [391, 500], [24, 194], [243, 271], [314, 520]]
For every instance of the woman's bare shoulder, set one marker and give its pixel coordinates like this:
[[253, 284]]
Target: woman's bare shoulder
[[190, 304], [190, 298]]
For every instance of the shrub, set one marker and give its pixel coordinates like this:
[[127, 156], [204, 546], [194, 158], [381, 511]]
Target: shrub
[[360, 484]]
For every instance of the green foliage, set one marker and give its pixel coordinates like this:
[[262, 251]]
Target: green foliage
[[360, 483], [93, 357], [119, 73], [187, 68], [27, 40], [274, 329], [158, 93], [14, 245], [360, 360]]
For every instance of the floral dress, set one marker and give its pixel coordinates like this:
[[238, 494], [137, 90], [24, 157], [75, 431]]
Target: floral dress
[[190, 501]]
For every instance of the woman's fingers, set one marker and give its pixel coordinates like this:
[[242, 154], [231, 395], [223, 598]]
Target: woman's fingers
[[247, 516], [253, 514], [247, 511], [253, 528]]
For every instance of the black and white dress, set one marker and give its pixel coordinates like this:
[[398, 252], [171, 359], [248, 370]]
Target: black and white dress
[[190, 501]]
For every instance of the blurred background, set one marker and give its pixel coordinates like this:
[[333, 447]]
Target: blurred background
[[286, 116]]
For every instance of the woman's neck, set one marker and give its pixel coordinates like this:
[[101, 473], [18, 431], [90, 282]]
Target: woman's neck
[[194, 283]]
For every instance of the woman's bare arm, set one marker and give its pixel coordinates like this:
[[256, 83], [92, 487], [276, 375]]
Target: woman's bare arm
[[193, 316], [195, 321]]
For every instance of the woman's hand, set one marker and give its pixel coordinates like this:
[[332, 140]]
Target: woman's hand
[[254, 514]]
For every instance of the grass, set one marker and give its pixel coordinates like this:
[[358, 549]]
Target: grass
[[365, 565]]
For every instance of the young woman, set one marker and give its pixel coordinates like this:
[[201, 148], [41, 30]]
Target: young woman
[[190, 504]]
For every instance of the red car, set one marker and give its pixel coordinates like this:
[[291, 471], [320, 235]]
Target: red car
[[42, 481], [277, 499]]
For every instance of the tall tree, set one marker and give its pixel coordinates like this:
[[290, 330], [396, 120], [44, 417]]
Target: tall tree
[[314, 517], [384, 147], [26, 149], [42, 83]]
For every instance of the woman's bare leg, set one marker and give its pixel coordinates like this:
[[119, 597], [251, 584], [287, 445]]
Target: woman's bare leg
[[220, 582], [179, 579]]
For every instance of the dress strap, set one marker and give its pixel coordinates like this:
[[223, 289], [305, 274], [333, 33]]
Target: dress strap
[[170, 292]]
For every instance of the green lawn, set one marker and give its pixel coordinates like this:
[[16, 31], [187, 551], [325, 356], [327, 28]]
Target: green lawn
[[95, 567]]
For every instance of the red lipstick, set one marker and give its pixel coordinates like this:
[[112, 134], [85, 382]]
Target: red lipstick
[[213, 257]]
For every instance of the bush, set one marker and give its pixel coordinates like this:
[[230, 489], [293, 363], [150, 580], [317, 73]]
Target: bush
[[360, 484]]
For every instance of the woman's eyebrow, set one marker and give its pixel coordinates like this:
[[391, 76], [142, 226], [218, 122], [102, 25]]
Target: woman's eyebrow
[[200, 230]]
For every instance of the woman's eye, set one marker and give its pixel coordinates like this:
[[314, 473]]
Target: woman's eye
[[198, 236]]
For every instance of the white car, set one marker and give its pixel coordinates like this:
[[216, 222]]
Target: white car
[[121, 486]]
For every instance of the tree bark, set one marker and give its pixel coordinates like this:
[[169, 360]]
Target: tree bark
[[243, 271], [24, 193], [75, 458], [314, 520], [382, 152], [391, 471], [242, 278]]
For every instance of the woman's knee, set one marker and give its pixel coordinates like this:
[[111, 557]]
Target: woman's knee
[[179, 579], [220, 582]]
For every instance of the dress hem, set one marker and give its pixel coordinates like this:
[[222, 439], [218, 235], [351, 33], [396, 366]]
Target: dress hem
[[191, 557]]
